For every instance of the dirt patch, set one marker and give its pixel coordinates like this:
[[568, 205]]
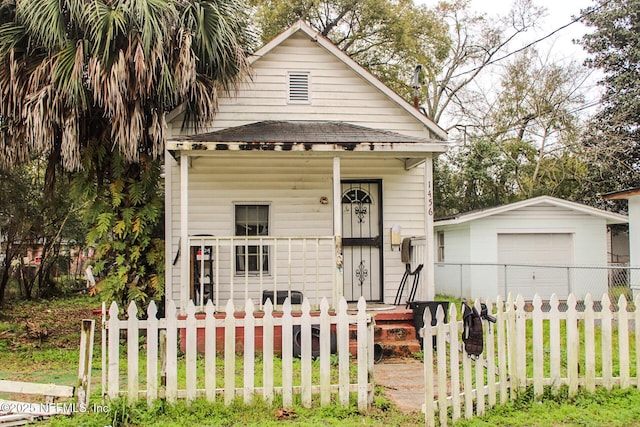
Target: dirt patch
[[54, 323]]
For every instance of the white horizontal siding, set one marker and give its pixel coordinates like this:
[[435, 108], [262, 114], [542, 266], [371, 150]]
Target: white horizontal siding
[[337, 93], [480, 245], [293, 189]]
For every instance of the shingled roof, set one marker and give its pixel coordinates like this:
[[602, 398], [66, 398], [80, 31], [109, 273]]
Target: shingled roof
[[304, 132]]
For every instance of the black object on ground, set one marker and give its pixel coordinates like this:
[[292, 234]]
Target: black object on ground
[[419, 307], [315, 341], [296, 297]]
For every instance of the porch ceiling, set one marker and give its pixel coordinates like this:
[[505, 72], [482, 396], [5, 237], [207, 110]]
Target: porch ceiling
[[307, 136]]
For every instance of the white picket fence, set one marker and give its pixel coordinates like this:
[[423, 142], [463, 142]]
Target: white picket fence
[[165, 370], [553, 344]]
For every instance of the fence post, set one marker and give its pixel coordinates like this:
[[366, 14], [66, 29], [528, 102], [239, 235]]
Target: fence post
[[210, 352], [132, 352], [479, 371], [589, 345], [229, 353], [191, 335], [152, 353], [363, 355], [554, 341], [454, 354], [429, 407], [325, 353], [502, 355], [171, 351], [343, 353], [305, 353], [573, 344], [623, 341], [491, 357], [441, 354], [607, 362], [538, 347], [370, 362], [511, 345], [287, 353], [113, 383], [86, 357], [104, 350], [521, 337], [249, 351]]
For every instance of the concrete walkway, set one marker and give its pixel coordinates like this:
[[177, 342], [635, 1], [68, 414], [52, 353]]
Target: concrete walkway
[[403, 382]]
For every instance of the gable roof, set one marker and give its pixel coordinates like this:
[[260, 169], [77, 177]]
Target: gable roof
[[316, 36], [610, 217]]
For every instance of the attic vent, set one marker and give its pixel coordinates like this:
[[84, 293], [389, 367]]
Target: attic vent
[[299, 87]]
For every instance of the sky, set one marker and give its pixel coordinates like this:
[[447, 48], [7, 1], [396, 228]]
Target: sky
[[558, 48], [559, 13]]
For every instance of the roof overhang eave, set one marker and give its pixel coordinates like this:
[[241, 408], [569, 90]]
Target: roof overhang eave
[[405, 149]]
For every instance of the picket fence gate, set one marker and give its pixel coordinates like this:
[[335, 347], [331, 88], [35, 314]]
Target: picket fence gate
[[552, 344], [165, 369]]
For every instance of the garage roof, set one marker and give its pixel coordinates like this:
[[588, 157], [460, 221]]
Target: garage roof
[[612, 218]]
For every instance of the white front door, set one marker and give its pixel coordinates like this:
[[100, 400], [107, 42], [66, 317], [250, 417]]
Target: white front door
[[362, 239]]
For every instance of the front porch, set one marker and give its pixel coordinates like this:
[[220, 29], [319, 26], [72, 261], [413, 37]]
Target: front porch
[[294, 267]]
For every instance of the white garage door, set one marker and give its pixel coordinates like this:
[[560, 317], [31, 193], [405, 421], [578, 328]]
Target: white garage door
[[533, 263]]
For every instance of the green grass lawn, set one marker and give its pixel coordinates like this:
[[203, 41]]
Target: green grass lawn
[[39, 342]]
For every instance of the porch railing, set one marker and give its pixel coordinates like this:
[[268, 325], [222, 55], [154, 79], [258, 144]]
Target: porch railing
[[243, 268]]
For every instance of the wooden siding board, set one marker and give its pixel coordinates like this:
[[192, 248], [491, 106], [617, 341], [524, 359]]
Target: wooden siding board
[[294, 198], [337, 93]]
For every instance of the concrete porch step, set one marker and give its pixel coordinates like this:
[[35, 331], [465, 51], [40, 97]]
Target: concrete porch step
[[394, 333], [405, 348], [389, 332]]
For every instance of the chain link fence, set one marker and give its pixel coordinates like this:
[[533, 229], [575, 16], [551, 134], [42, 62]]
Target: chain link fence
[[479, 280]]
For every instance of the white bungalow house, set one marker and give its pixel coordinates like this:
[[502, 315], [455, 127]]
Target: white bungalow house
[[299, 182], [541, 245]]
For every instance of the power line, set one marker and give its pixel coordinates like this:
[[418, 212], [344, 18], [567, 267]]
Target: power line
[[573, 21]]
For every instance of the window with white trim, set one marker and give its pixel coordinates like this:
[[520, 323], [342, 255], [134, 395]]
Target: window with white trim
[[252, 220], [298, 88], [440, 246]]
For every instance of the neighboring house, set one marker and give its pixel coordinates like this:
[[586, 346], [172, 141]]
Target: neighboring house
[[541, 245], [298, 183], [633, 196]]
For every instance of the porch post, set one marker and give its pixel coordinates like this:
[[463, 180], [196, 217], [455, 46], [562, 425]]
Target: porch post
[[337, 231], [429, 253], [169, 164], [184, 232]]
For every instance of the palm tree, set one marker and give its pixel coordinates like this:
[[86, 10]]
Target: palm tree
[[87, 84], [76, 71]]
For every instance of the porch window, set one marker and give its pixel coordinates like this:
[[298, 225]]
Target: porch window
[[252, 220], [440, 246]]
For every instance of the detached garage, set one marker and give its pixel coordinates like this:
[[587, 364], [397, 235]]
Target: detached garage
[[542, 245]]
